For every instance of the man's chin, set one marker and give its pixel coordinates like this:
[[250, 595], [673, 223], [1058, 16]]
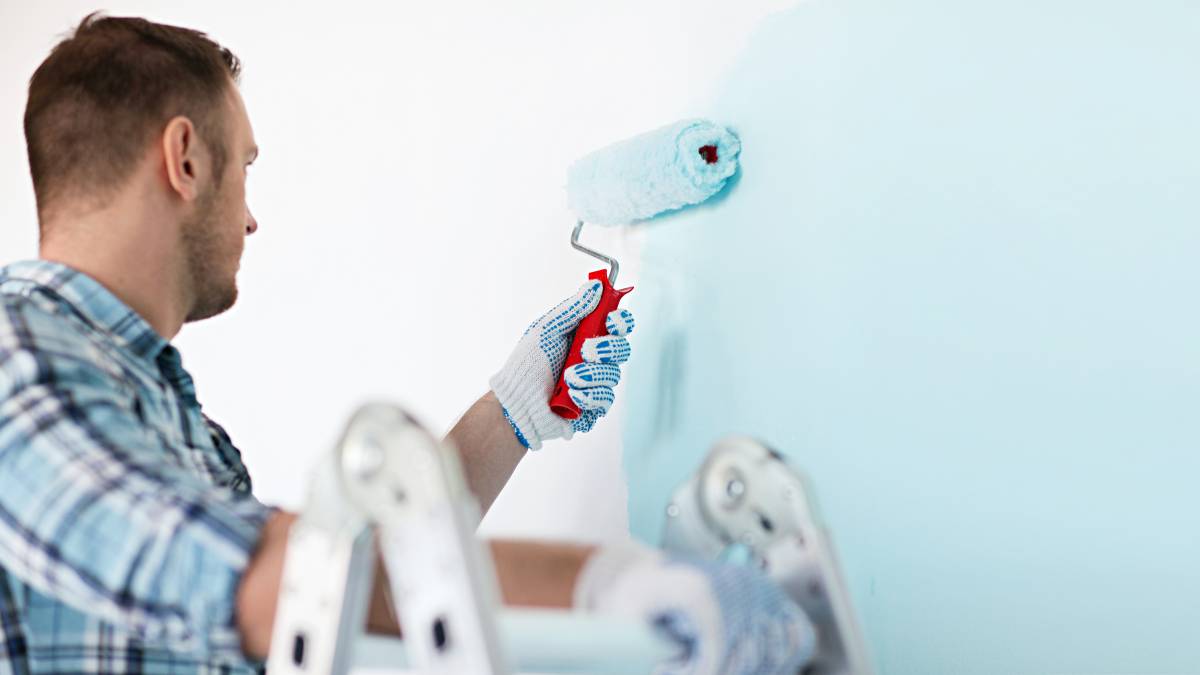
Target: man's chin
[[213, 304]]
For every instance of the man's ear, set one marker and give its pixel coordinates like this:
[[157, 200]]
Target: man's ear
[[182, 156]]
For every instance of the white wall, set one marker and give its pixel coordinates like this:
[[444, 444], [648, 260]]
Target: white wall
[[412, 218]]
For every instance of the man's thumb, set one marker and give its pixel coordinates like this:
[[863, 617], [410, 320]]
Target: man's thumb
[[576, 308]]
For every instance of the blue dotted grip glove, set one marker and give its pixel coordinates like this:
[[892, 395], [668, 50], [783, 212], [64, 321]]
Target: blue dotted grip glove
[[527, 380], [728, 619]]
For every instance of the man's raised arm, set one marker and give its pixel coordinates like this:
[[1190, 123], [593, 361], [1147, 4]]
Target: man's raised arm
[[515, 415]]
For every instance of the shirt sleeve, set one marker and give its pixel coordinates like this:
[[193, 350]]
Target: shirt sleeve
[[94, 513]]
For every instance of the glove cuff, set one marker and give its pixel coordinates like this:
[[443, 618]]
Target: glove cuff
[[532, 418]]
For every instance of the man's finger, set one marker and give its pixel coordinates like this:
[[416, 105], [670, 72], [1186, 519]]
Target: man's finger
[[610, 349], [587, 375], [619, 322], [595, 398]]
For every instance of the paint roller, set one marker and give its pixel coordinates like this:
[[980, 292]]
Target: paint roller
[[660, 171]]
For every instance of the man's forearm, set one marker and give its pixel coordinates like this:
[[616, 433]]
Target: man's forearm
[[538, 573], [530, 574], [488, 448]]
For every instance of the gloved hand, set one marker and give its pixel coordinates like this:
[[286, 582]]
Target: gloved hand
[[727, 619], [527, 380]]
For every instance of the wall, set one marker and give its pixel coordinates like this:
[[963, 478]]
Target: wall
[[956, 282]]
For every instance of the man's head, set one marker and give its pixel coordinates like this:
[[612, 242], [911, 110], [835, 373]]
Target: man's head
[[126, 111]]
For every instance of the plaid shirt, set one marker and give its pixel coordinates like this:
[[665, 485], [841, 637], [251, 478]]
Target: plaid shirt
[[126, 518]]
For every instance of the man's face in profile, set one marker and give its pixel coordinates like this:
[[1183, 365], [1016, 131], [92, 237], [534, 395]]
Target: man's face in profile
[[214, 237]]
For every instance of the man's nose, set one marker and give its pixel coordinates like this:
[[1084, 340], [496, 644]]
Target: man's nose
[[251, 223]]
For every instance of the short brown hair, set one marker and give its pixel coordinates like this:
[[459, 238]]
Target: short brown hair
[[104, 93]]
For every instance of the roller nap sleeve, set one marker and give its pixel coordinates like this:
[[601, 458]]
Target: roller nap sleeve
[[663, 170]]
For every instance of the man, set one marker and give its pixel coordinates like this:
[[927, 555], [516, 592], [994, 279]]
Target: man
[[129, 539]]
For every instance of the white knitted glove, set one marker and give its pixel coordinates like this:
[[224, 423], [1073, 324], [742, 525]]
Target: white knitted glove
[[527, 380], [727, 619]]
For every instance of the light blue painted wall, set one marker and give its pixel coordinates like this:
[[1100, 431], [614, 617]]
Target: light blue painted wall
[[957, 282]]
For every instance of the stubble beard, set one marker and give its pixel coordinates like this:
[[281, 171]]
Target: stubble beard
[[214, 288]]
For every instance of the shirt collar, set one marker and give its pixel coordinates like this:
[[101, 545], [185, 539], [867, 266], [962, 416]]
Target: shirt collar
[[91, 301]]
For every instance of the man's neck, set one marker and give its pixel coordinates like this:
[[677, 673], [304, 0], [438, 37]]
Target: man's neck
[[130, 254]]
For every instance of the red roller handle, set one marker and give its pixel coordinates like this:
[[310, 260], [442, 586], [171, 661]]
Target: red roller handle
[[593, 325]]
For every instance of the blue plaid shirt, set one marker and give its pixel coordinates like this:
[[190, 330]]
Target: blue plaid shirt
[[126, 517]]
